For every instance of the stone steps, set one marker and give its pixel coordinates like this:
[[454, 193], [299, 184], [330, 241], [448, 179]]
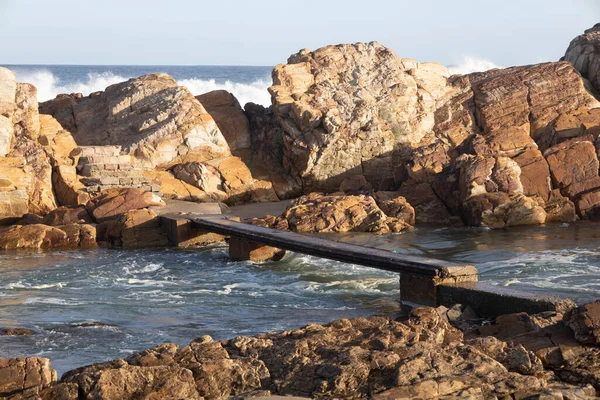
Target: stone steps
[[104, 167]]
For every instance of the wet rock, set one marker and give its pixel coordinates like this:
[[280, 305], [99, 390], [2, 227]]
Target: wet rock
[[16, 332], [320, 213], [111, 203], [428, 207]]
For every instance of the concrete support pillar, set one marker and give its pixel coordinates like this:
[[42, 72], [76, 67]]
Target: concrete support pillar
[[423, 289], [182, 233], [243, 249]]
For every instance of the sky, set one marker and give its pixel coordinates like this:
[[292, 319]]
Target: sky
[[266, 32]]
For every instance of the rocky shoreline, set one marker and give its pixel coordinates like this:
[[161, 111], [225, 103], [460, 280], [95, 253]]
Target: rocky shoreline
[[431, 353], [364, 141]]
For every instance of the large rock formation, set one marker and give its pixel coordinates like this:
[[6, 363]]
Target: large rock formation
[[151, 118], [584, 54], [463, 146], [25, 165]]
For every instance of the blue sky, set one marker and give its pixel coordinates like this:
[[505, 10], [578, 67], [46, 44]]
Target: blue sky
[[266, 32]]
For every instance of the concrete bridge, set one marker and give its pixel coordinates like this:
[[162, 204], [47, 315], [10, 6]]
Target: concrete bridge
[[423, 281]]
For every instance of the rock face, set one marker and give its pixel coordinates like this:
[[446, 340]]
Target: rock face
[[585, 322], [229, 116], [151, 117], [461, 147]]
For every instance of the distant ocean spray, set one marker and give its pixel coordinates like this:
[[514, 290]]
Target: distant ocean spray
[[247, 83]]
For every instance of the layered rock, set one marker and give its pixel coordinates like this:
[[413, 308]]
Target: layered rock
[[151, 118], [112, 203], [25, 377]]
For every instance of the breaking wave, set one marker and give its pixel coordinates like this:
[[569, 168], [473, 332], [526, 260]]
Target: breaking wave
[[471, 64], [49, 85]]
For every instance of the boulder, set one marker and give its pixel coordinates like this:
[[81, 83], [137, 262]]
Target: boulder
[[346, 109], [111, 203], [584, 54], [25, 376], [42, 237], [225, 109], [225, 179], [135, 229], [243, 249], [320, 213], [151, 118]]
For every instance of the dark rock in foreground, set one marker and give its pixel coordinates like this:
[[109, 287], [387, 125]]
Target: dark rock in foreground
[[516, 357]]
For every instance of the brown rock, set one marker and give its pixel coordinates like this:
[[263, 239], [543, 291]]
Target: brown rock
[[267, 152], [67, 186], [224, 108], [136, 228], [67, 215], [336, 125], [583, 53], [319, 213], [173, 188], [559, 208], [111, 203], [356, 185], [80, 235], [428, 208], [585, 322], [151, 117], [535, 174], [16, 332], [571, 162], [33, 237], [29, 375], [395, 206]]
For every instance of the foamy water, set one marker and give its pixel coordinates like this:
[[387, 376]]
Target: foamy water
[[248, 84]]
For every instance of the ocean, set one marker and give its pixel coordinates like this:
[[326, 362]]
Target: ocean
[[95, 305], [247, 83]]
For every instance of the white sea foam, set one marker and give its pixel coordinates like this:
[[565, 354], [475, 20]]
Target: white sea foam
[[22, 285], [471, 64], [255, 92], [49, 86]]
